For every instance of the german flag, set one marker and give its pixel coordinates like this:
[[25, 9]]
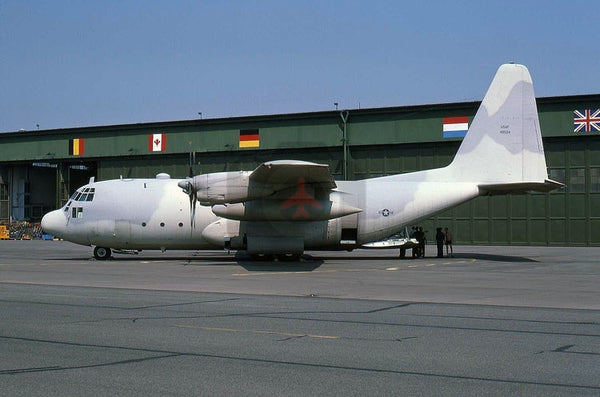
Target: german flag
[[76, 146], [249, 138]]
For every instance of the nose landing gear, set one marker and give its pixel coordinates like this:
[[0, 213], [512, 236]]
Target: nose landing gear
[[102, 253]]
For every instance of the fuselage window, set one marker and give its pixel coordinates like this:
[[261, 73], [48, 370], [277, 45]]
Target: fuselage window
[[76, 212]]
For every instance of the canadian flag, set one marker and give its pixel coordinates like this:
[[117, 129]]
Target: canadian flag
[[157, 142]]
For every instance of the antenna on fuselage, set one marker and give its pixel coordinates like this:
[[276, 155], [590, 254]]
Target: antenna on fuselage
[[192, 159]]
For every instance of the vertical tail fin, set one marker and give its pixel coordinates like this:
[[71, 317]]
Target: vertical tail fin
[[503, 147]]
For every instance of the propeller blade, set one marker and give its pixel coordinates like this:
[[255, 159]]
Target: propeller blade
[[187, 186], [192, 209]]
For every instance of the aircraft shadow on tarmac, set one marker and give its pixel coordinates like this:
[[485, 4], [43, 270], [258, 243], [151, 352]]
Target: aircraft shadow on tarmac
[[269, 266], [494, 257], [305, 263], [478, 256]]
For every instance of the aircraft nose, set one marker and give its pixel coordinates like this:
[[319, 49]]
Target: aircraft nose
[[54, 222]]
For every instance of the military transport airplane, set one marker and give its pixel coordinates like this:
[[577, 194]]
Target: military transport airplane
[[287, 206]]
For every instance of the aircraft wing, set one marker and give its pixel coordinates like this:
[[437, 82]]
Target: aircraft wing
[[290, 172], [286, 190]]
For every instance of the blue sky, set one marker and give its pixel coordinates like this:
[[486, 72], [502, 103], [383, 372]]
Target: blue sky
[[82, 63]]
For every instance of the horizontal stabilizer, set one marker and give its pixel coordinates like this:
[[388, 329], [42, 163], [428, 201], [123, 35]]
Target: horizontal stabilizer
[[518, 187], [395, 243]]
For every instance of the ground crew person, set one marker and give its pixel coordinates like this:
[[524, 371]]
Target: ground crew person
[[439, 239]]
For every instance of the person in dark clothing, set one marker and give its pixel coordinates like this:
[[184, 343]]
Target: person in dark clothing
[[424, 243], [415, 250], [448, 242], [420, 236], [439, 239]]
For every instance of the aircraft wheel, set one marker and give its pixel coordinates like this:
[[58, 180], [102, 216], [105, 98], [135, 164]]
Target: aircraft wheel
[[102, 253]]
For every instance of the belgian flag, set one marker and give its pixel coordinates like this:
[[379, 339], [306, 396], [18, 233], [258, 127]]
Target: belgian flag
[[76, 146], [249, 138]]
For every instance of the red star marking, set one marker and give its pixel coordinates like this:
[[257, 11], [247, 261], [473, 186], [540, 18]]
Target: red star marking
[[301, 199], [157, 142]]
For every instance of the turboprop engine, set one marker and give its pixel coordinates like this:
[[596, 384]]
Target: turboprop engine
[[223, 187], [296, 207]]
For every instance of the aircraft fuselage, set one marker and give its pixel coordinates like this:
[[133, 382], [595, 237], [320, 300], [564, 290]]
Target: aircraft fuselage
[[155, 214]]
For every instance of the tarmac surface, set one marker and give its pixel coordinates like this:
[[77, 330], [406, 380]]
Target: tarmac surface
[[489, 321]]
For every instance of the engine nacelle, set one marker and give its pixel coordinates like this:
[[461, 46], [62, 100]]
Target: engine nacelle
[[224, 187], [291, 209]]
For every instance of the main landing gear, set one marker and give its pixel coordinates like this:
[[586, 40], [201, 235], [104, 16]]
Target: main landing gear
[[102, 253]]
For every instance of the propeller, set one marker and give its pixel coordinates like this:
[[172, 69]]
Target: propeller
[[188, 188]]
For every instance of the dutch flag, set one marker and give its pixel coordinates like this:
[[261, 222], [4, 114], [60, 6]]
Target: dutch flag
[[455, 127]]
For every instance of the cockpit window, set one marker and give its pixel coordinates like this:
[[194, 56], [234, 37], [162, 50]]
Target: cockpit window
[[86, 194]]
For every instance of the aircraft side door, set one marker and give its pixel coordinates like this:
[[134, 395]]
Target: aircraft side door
[[122, 230]]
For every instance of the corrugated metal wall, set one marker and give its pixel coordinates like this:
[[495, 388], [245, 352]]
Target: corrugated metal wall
[[380, 142]]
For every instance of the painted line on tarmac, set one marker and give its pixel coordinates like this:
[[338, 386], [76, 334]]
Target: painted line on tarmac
[[252, 331]]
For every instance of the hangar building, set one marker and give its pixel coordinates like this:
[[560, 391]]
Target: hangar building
[[40, 169]]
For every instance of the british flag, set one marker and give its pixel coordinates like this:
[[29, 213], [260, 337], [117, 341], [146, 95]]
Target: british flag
[[587, 120]]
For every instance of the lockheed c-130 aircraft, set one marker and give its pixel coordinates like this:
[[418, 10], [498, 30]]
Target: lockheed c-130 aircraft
[[285, 207]]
